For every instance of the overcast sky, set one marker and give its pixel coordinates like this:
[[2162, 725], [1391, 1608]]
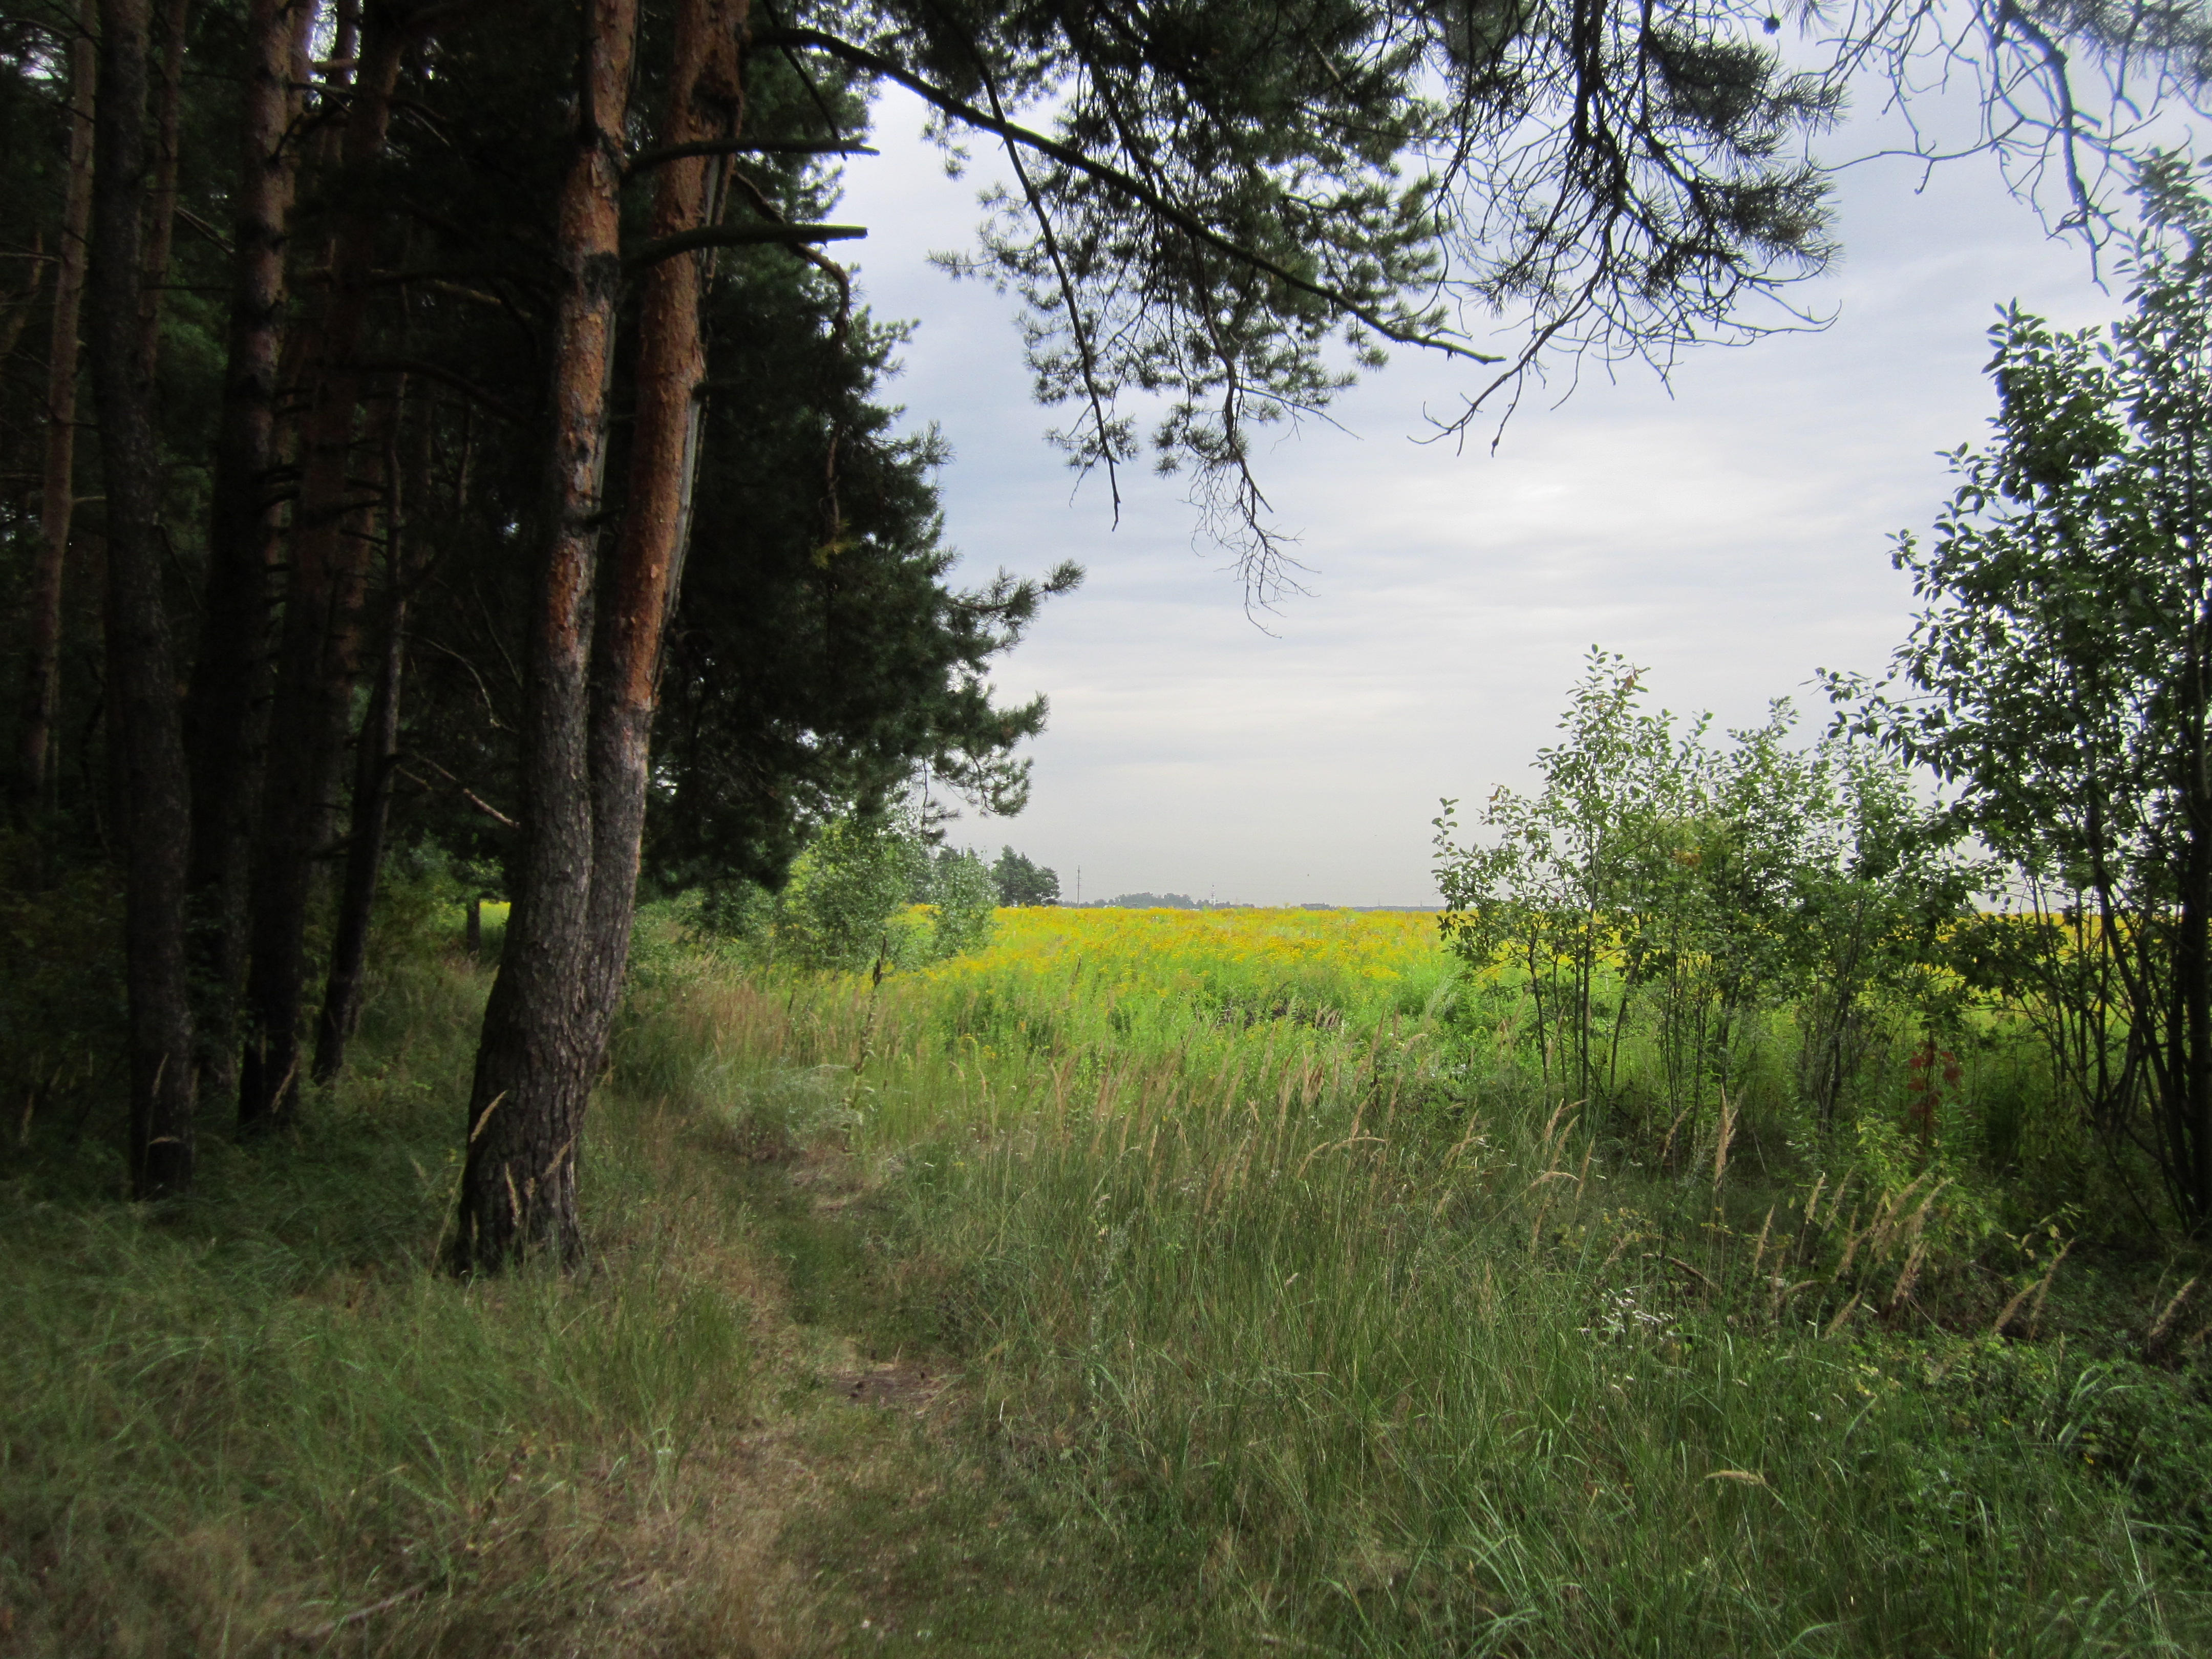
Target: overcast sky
[[1731, 535]]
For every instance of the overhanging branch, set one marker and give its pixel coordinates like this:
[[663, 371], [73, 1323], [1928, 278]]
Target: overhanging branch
[[689, 241], [1181, 218], [645, 159]]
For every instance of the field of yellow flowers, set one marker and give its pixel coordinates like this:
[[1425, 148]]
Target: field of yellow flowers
[[1321, 965]]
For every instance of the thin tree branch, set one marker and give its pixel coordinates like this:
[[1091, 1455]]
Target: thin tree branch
[[645, 159], [467, 793], [459, 383], [687, 242], [1189, 223]]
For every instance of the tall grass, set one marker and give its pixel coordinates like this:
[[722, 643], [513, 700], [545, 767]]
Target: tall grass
[[1325, 1321], [1237, 1293], [264, 1421]]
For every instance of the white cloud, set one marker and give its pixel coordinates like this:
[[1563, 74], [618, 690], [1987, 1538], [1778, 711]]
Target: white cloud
[[1732, 535]]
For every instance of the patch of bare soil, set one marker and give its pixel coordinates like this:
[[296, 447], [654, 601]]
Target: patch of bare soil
[[900, 1385]]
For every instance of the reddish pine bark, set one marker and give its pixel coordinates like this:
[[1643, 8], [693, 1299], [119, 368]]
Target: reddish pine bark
[[705, 101], [546, 1026]]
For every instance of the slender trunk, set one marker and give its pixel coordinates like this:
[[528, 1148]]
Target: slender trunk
[[161, 201], [58, 501], [538, 1048], [376, 751], [545, 1027], [226, 710], [2187, 1091], [705, 101], [2189, 1085], [139, 656], [19, 306], [318, 650]]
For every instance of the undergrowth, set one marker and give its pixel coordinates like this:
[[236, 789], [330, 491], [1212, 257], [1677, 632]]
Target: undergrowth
[[262, 1421]]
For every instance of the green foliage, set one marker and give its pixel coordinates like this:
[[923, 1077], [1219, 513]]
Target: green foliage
[[1661, 892], [1020, 881], [2059, 678], [963, 900], [845, 908], [823, 646]]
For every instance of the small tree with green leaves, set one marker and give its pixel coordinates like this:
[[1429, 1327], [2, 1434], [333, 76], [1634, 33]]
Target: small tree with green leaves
[[1566, 865], [845, 908], [963, 901], [1663, 890], [2060, 679]]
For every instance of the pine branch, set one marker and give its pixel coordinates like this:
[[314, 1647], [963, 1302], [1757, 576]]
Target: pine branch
[[1135, 189]]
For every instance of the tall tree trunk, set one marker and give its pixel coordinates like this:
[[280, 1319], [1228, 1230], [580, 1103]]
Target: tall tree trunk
[[318, 651], [705, 101], [227, 709], [139, 655], [376, 751], [542, 1039], [57, 500], [2188, 1082], [161, 201]]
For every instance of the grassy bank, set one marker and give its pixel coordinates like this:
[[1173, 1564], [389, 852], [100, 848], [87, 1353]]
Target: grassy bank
[[1145, 1285]]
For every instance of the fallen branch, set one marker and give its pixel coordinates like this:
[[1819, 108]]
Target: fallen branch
[[467, 793]]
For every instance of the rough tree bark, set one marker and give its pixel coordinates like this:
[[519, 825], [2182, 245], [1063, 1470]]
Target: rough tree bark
[[318, 651], [705, 101], [57, 500], [546, 1026], [227, 709], [376, 750], [139, 655]]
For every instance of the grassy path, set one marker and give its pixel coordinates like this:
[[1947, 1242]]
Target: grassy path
[[1040, 1311]]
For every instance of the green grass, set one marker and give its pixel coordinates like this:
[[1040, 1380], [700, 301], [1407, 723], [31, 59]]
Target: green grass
[[1319, 1349], [235, 1421], [1192, 1335]]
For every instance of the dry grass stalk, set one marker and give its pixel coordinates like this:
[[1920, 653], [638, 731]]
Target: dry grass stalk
[[2164, 1323], [2036, 1290]]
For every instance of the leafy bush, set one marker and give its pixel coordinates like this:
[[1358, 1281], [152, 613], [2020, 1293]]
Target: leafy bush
[[844, 908], [1662, 899], [963, 898]]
